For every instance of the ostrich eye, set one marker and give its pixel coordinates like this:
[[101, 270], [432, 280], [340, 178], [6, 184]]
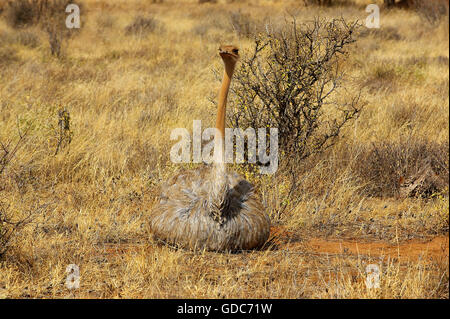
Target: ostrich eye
[[235, 51]]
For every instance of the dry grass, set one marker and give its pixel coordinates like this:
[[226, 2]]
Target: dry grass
[[90, 188]]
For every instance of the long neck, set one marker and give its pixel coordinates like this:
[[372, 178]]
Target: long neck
[[218, 194], [223, 94]]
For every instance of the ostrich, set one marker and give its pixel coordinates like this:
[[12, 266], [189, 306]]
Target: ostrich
[[212, 208]]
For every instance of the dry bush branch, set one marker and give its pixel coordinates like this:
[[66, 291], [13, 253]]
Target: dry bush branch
[[291, 80], [9, 151], [8, 227]]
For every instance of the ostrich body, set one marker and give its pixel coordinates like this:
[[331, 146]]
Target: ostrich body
[[212, 208]]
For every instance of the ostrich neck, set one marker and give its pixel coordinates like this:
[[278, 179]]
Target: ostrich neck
[[223, 94], [219, 190]]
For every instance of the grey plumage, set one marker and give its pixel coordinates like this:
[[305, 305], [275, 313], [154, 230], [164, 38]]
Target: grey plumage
[[187, 215]]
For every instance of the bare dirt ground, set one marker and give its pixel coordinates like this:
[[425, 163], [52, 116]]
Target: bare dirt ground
[[429, 249]]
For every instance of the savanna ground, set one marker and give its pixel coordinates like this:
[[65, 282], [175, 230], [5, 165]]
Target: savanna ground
[[87, 189]]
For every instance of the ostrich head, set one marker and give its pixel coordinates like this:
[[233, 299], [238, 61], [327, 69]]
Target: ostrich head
[[229, 54]]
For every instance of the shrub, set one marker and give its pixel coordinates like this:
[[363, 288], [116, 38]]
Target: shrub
[[142, 25], [50, 15], [55, 39], [9, 228], [393, 168], [22, 13], [53, 22], [8, 151], [432, 11], [291, 80]]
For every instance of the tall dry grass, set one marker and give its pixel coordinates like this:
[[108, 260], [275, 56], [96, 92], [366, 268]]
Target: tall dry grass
[[90, 198]]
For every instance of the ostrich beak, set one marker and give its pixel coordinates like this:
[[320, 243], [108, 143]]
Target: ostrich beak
[[224, 53]]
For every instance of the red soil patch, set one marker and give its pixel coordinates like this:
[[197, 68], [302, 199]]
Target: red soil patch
[[279, 235], [435, 249]]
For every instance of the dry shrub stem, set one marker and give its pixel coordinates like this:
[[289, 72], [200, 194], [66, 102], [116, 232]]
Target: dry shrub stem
[[8, 152], [9, 228], [291, 80]]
